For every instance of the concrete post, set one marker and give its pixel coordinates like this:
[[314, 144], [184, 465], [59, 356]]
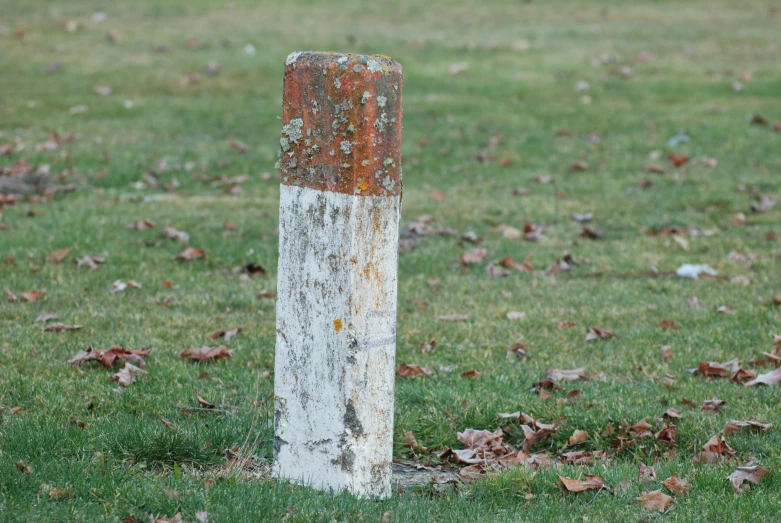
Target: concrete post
[[340, 199]]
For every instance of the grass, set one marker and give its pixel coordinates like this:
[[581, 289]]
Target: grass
[[125, 462]]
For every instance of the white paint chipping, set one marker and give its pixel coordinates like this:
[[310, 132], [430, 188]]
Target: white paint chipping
[[336, 337]]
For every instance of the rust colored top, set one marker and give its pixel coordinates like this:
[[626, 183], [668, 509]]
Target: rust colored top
[[341, 117]]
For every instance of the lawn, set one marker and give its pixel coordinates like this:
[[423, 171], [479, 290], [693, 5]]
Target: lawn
[[515, 113]]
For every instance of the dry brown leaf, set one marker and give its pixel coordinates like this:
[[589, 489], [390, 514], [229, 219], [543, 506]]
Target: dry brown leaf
[[127, 374], [22, 466], [409, 440], [641, 428], [207, 353], [677, 485], [480, 439], [717, 445], [595, 333], [748, 472], [770, 378], [142, 225], [171, 232], [591, 482], [191, 253], [204, 403], [668, 435], [712, 405], [227, 335], [667, 353], [471, 374], [567, 375], [646, 474], [46, 316], [474, 256], [90, 261], [60, 327], [654, 500], [561, 325], [168, 424], [734, 426], [58, 256], [16, 410], [30, 296], [579, 436]]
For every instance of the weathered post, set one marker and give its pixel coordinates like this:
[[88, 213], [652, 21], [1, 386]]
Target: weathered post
[[340, 199]]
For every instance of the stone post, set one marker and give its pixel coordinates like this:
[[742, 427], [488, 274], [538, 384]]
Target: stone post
[[340, 199]]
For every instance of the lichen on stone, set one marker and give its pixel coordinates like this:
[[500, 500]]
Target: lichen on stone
[[293, 129]]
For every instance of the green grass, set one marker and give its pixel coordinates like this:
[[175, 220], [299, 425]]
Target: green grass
[[126, 462]]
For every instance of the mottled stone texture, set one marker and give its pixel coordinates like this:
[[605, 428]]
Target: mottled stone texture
[[338, 257], [342, 123]]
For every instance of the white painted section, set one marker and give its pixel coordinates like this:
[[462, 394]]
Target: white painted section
[[334, 386]]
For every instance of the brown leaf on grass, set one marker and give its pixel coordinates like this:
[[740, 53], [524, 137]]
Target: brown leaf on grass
[[90, 261], [671, 414], [142, 225], [677, 485], [543, 385], [236, 145], [678, 159], [578, 166], [227, 335], [583, 457], [641, 429], [714, 369], [579, 436], [474, 256], [668, 324], [655, 168], [544, 179], [717, 445], [204, 403], [496, 271], [770, 378], [16, 410], [654, 500], [646, 474], [750, 472], [668, 435], [172, 233], [533, 233], [763, 203], [10, 296], [471, 237], [712, 405], [120, 286], [510, 263], [592, 482], [590, 233], [30, 296], [411, 371], [46, 316], [58, 255], [667, 353], [532, 437], [454, 317], [595, 333], [567, 375], [480, 439], [191, 253], [207, 353], [565, 324], [409, 440], [22, 466], [734, 426], [60, 327], [127, 374], [471, 374]]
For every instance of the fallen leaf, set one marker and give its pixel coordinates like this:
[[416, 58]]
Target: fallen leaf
[[409, 440], [473, 256], [203, 402], [667, 353], [16, 410], [30, 296], [90, 261], [591, 482], [595, 333], [748, 472], [567, 375], [172, 233], [480, 439], [668, 324], [191, 253], [142, 225], [641, 429], [46, 316], [578, 166], [565, 324], [60, 327], [227, 335], [22, 466], [763, 203], [590, 233], [677, 485], [533, 233], [734, 426], [770, 378], [678, 159], [654, 500], [471, 374], [646, 474], [717, 445], [515, 315], [668, 435], [579, 436], [236, 145], [454, 317], [471, 237], [712, 405], [127, 374], [58, 256], [207, 353]]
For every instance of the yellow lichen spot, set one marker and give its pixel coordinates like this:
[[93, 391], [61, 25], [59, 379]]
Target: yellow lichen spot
[[363, 186], [337, 324]]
